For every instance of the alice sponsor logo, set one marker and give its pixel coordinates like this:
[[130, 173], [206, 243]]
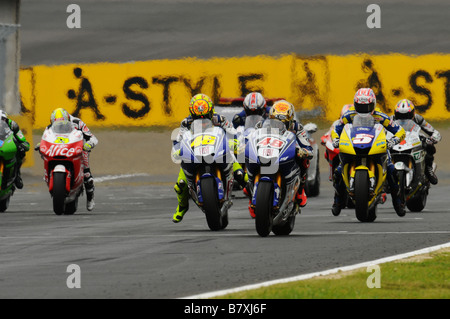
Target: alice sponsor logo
[[61, 150]]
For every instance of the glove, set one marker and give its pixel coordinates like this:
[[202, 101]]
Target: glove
[[301, 153], [336, 143], [36, 148], [234, 145], [392, 142], [432, 140], [87, 147]]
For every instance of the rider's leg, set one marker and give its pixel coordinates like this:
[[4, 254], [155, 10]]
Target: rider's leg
[[88, 182], [392, 180], [339, 191], [181, 189], [429, 159]]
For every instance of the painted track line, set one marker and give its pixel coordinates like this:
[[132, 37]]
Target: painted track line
[[316, 274], [113, 177]]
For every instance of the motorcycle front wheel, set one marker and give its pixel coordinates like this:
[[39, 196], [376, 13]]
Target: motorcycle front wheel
[[362, 195], [211, 204], [263, 209], [59, 192]]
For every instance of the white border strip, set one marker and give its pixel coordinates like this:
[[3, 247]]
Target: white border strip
[[320, 273], [113, 177]]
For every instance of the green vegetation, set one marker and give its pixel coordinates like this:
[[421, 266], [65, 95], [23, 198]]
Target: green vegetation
[[414, 278]]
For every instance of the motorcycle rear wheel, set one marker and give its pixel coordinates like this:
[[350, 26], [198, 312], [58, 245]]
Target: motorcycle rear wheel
[[263, 209], [59, 192]]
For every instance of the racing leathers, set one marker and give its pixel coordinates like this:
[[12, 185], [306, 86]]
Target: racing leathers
[[22, 146], [435, 137], [239, 118], [304, 152], [181, 187], [399, 134]]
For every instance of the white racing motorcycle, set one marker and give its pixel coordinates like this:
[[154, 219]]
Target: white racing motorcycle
[[409, 159]]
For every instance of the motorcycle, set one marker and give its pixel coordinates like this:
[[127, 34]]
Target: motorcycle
[[409, 159], [271, 159], [207, 162], [61, 148], [362, 147], [8, 165], [312, 186]]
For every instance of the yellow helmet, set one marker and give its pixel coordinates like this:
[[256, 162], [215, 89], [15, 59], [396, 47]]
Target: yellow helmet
[[201, 106], [284, 111], [59, 114]]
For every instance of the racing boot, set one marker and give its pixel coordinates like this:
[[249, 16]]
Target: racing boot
[[248, 193], [301, 197], [183, 200], [18, 181], [89, 186], [337, 205], [239, 174], [399, 205], [429, 172]]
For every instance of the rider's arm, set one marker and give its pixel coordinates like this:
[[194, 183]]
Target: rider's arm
[[239, 119], [427, 128], [391, 126], [303, 140], [90, 140], [18, 135]]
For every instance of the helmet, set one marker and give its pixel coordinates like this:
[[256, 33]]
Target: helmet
[[364, 101], [284, 111], [345, 108], [255, 104], [59, 114], [3, 114], [201, 106], [404, 110]]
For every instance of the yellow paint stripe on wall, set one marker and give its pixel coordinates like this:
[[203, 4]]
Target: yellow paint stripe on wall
[[158, 92]]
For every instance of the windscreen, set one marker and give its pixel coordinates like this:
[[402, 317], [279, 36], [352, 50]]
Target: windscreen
[[62, 127], [366, 121]]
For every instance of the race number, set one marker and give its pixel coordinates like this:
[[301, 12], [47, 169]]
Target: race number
[[271, 142], [203, 140], [362, 138]]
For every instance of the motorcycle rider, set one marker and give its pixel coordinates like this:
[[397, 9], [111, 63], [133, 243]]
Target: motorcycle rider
[[254, 104], [405, 110], [200, 107], [90, 141], [365, 105], [21, 143], [284, 111]]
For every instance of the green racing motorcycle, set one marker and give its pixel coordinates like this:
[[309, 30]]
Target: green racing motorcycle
[[8, 167]]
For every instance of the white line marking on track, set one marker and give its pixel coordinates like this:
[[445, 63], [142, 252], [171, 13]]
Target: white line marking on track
[[320, 273], [113, 177]]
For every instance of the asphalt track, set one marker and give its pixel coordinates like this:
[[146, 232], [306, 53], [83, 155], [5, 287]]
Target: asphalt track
[[135, 30], [128, 246]]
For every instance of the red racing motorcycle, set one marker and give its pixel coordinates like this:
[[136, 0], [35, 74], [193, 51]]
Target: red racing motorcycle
[[61, 148]]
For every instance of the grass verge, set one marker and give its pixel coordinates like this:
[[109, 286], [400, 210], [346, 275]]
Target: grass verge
[[420, 277]]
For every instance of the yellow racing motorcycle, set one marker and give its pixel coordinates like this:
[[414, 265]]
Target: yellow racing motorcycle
[[363, 152]]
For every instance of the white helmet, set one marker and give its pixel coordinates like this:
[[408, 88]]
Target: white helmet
[[255, 104]]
